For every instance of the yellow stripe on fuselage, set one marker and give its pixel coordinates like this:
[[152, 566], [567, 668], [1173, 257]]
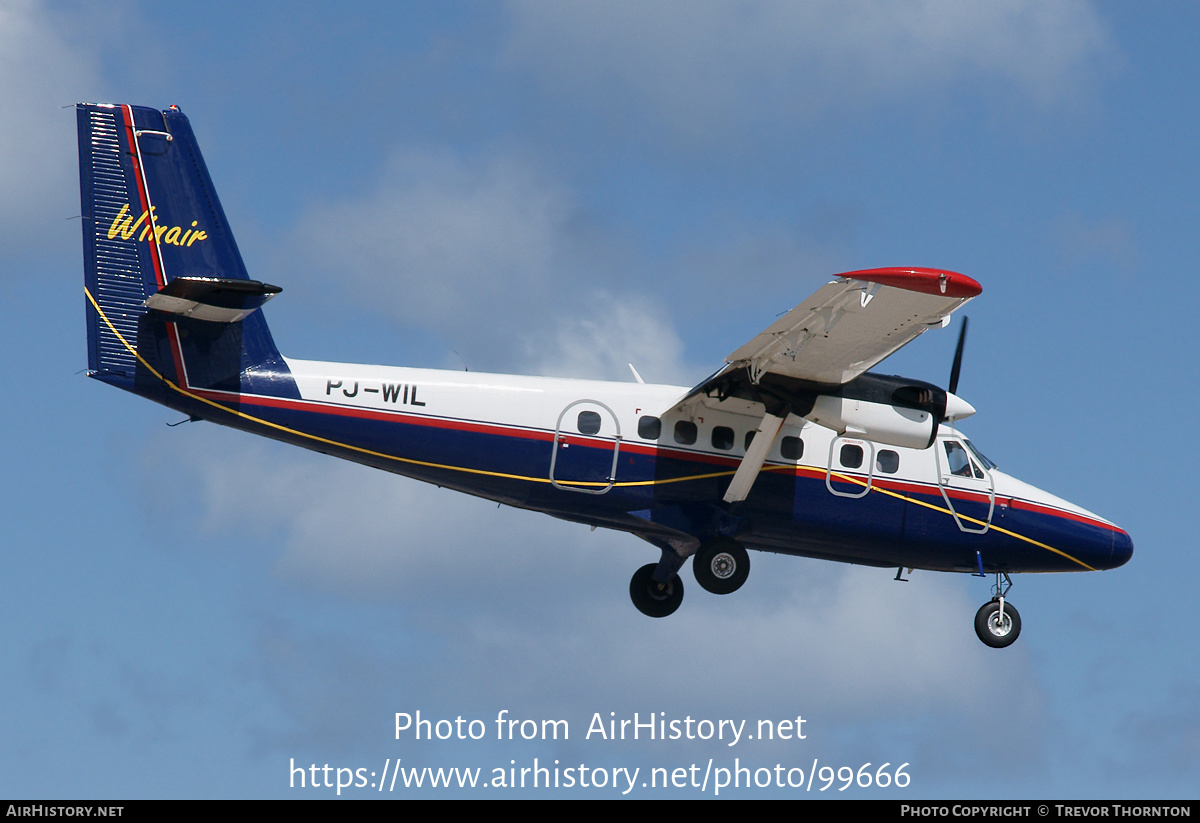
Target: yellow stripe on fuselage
[[483, 472]]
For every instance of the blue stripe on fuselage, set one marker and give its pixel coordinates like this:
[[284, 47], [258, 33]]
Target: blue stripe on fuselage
[[789, 510]]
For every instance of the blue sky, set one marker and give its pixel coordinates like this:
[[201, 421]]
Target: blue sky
[[556, 188]]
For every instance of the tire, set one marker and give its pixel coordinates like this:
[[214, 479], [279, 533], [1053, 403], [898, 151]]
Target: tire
[[721, 565], [651, 599], [989, 628]]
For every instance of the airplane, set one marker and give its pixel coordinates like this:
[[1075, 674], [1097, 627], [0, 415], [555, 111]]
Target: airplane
[[793, 446]]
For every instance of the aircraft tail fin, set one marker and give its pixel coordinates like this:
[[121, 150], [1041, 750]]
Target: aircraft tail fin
[[169, 299]]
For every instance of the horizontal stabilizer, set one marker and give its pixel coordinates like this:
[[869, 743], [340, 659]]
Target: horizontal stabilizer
[[216, 299]]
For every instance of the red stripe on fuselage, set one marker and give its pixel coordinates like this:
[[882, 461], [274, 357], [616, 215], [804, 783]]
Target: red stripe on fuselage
[[731, 463]]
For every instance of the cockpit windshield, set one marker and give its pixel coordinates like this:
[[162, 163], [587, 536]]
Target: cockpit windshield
[[980, 456]]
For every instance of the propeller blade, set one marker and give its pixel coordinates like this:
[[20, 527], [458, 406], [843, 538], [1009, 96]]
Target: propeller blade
[[958, 353]]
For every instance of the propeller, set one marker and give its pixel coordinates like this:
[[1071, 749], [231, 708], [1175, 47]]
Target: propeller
[[956, 407], [958, 353]]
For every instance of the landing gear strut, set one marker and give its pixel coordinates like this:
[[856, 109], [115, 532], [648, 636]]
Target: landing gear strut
[[655, 599], [997, 622], [721, 565]]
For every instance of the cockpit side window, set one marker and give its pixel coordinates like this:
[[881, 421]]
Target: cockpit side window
[[956, 459], [960, 464]]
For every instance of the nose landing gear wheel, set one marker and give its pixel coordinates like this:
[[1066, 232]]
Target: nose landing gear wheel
[[994, 630], [654, 599], [721, 565]]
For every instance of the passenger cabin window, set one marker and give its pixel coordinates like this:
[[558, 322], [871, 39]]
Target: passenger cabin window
[[589, 422], [887, 461], [685, 432], [722, 438], [791, 448], [649, 428], [749, 439], [852, 456]]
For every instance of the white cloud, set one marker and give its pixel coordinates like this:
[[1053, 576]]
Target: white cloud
[[491, 256], [534, 601], [355, 531], [42, 69], [704, 64], [1107, 241], [438, 240], [602, 344]]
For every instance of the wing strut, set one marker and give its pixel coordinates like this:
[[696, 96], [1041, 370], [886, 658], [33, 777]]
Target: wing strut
[[756, 455]]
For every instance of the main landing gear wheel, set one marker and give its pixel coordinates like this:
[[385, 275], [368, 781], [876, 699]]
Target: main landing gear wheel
[[994, 630], [655, 599], [721, 565]]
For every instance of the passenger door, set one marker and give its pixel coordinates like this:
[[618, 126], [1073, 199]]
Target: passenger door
[[587, 443]]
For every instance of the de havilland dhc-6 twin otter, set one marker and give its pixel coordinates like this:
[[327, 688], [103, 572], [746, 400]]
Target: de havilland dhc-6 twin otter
[[791, 447]]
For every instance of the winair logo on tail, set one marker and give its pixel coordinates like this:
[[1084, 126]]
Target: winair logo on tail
[[127, 227]]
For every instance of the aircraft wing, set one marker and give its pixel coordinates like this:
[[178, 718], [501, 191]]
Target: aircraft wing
[[845, 328], [855, 321]]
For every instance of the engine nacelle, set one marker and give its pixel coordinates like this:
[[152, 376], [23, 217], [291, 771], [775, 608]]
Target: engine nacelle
[[881, 422]]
